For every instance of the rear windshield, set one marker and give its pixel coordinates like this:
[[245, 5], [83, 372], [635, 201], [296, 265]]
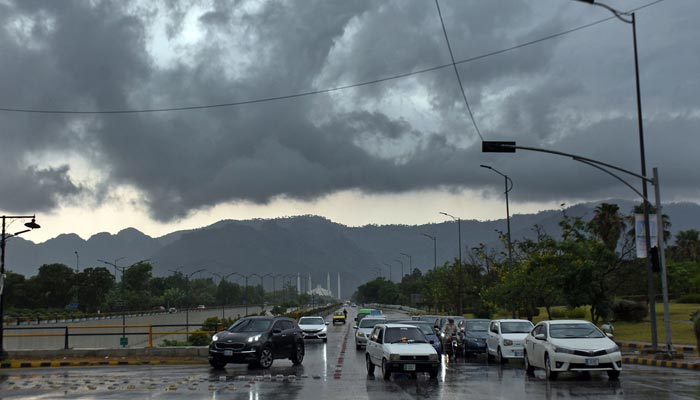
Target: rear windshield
[[250, 325], [477, 326], [516, 327], [571, 331], [425, 328], [369, 322]]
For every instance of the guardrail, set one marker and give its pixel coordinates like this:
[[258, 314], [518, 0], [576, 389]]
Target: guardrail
[[68, 331]]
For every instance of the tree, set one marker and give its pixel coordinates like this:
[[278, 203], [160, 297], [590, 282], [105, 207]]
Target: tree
[[687, 246], [53, 285], [607, 224], [92, 286]]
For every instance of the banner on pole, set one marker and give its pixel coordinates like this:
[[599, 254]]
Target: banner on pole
[[640, 242]]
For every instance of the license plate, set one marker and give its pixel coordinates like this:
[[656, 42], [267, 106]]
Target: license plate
[[591, 362], [409, 367], [228, 352], [518, 353]]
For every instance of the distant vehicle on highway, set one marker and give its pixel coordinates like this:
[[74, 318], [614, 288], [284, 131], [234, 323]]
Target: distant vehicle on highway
[[172, 310], [201, 307], [474, 333], [363, 329], [257, 341], [314, 328], [339, 317], [507, 338]]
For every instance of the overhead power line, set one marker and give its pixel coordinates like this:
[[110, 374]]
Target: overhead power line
[[319, 91]]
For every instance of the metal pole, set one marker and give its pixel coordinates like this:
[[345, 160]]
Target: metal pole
[[3, 353], [662, 259]]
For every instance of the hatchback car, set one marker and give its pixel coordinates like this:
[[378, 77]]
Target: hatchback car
[[400, 348], [429, 332], [364, 328], [257, 341], [570, 345], [314, 328], [507, 338]]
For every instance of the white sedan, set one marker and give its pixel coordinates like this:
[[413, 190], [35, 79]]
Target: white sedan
[[400, 348], [570, 345], [314, 328]]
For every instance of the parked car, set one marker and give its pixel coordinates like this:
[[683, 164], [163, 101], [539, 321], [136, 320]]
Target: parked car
[[429, 332], [257, 341], [339, 317], [400, 348], [474, 333], [571, 345], [506, 338], [314, 328], [364, 328]]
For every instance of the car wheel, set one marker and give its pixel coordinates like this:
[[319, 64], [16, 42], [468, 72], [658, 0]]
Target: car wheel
[[266, 357], [613, 374], [529, 369], [501, 359], [370, 365], [551, 375], [490, 357], [385, 370], [325, 340], [358, 347], [433, 373], [217, 363], [299, 352]]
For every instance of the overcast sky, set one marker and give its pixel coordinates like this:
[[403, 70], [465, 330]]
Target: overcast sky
[[398, 151]]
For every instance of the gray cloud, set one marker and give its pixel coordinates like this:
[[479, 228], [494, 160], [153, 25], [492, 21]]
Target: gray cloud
[[574, 94]]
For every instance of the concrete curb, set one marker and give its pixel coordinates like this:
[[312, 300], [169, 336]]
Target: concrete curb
[[63, 364], [644, 346], [661, 363]]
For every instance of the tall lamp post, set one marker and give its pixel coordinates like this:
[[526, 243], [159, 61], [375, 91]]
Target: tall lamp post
[[629, 18], [410, 262], [77, 262], [459, 269], [509, 187], [400, 262], [262, 287], [3, 239], [245, 290], [434, 239], [390, 268], [187, 295]]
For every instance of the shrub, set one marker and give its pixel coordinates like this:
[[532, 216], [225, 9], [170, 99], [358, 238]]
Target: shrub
[[693, 298], [576, 313], [199, 338], [630, 311], [557, 312], [172, 343]]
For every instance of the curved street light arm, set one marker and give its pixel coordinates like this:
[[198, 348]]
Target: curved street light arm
[[618, 14], [613, 175]]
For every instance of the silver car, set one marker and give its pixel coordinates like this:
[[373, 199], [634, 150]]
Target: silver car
[[364, 328]]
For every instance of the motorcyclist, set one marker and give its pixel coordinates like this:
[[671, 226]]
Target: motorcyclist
[[450, 330], [345, 313]]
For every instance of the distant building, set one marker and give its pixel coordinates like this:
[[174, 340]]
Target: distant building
[[320, 291]]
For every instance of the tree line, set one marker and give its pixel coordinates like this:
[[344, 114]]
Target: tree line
[[593, 263]]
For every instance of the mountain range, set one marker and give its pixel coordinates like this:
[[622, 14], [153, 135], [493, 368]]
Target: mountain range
[[305, 245]]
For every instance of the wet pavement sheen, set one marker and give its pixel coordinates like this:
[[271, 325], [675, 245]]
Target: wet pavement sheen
[[335, 371]]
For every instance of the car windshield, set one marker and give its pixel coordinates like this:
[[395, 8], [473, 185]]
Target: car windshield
[[572, 331], [404, 335], [370, 323], [250, 325], [516, 327], [312, 321], [477, 325]]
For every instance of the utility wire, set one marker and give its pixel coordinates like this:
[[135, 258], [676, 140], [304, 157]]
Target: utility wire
[[454, 65], [320, 91]]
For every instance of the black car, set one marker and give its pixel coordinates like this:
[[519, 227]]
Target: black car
[[257, 341]]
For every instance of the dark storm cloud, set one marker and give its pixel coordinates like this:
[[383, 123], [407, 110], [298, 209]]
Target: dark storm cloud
[[572, 94]]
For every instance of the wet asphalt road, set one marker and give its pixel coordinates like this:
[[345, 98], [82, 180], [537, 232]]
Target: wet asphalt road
[[337, 371]]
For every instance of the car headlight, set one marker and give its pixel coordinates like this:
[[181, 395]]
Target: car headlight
[[360, 334], [394, 357], [254, 338], [324, 330], [507, 342], [432, 357], [613, 349], [215, 337], [564, 350]]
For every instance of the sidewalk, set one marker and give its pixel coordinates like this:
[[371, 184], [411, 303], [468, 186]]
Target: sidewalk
[[641, 355]]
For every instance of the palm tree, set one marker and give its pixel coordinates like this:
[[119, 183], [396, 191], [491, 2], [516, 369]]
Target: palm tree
[[607, 224], [687, 247]]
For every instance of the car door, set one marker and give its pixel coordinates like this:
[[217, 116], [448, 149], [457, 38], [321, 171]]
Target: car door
[[289, 337], [374, 345], [537, 345], [492, 339], [280, 342]]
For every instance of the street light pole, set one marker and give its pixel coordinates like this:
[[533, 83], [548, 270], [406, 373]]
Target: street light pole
[[459, 268], [3, 239], [77, 262], [510, 243], [622, 16], [390, 268], [410, 262], [245, 290], [400, 262], [434, 239]]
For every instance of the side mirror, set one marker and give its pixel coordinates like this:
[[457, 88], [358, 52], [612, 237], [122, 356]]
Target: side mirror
[[354, 327], [540, 336], [327, 323], [610, 335], [432, 342]]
